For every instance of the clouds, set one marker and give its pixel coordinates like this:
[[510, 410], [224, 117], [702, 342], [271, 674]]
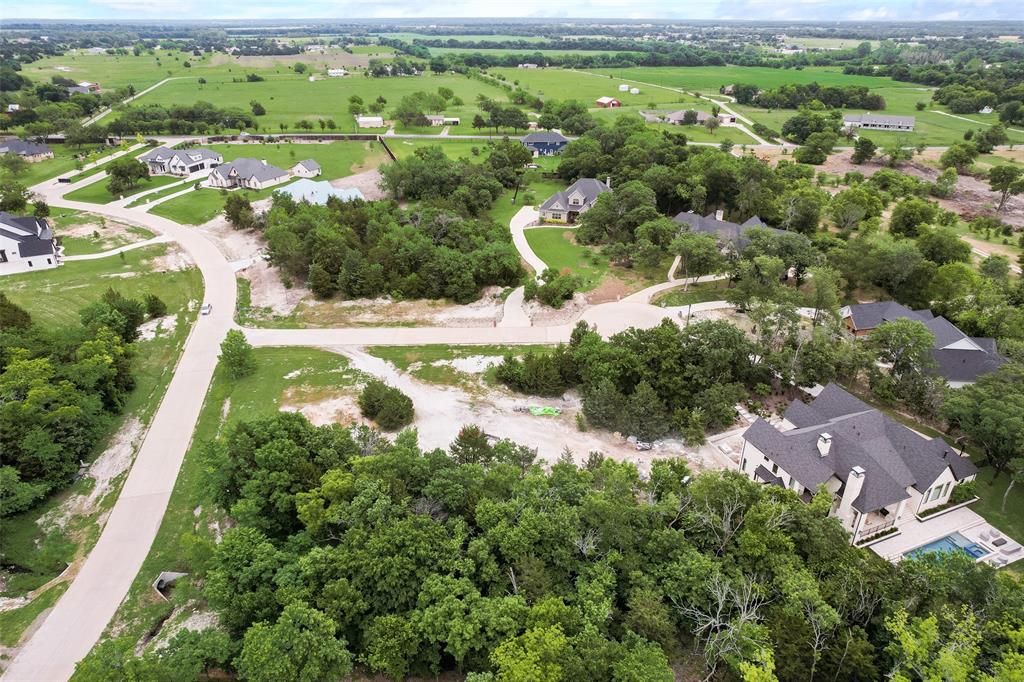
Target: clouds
[[806, 10]]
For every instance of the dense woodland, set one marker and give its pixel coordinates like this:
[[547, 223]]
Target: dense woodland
[[354, 552]]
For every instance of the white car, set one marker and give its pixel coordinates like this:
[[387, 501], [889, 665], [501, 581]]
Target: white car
[[206, 309]]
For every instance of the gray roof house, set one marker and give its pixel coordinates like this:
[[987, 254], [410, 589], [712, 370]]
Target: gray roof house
[[567, 205], [880, 473], [26, 243], [730, 235], [247, 173], [871, 121], [959, 358], [30, 151], [307, 168], [182, 162], [545, 142]]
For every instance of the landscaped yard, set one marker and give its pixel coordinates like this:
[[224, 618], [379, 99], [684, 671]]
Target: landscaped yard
[[695, 293], [62, 162], [557, 247], [990, 504], [97, 193], [202, 205], [535, 191], [453, 149]]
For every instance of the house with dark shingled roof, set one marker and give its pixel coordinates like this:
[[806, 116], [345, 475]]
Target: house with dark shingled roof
[[26, 244], [880, 473]]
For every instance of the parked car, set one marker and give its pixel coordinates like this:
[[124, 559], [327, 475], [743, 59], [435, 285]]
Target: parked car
[[206, 309]]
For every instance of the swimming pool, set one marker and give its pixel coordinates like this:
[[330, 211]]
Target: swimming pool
[[954, 542]]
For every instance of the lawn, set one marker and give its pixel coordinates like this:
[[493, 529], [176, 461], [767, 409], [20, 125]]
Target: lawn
[[14, 622], [453, 149], [492, 37], [557, 247], [115, 71], [337, 159], [96, 193], [290, 97], [298, 374], [202, 205], [990, 504], [63, 161], [101, 238], [165, 192], [695, 293], [535, 187], [586, 86], [708, 79], [53, 298]]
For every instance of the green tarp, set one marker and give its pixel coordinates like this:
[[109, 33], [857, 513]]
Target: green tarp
[[538, 411]]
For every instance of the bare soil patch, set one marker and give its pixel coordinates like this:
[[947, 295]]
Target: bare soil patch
[[367, 182], [103, 232]]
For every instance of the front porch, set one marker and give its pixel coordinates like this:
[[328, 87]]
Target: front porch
[[993, 547]]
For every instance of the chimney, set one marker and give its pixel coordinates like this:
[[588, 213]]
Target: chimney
[[824, 443], [263, 161], [719, 214], [854, 484]]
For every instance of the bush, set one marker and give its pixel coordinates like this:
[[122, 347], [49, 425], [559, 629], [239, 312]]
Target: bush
[[237, 355], [963, 492], [154, 306], [386, 405], [554, 290]]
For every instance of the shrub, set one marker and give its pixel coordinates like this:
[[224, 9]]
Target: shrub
[[155, 307], [386, 405]]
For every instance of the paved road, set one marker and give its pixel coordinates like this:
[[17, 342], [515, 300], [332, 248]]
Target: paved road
[[81, 614], [526, 217]]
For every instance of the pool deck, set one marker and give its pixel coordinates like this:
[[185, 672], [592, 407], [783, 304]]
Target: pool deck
[[915, 533]]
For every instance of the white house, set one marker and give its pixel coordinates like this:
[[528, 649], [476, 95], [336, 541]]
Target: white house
[[307, 168], [567, 205], [369, 121], [247, 173], [180, 162], [26, 244], [870, 121], [880, 473], [337, 73], [435, 120]]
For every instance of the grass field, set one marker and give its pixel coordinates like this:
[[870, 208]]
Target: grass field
[[554, 83], [113, 71], [534, 186], [102, 239], [708, 79], [97, 193], [62, 162], [489, 37], [559, 250], [695, 293], [526, 52], [54, 298], [289, 97], [301, 374], [431, 360], [15, 621], [453, 149], [338, 159]]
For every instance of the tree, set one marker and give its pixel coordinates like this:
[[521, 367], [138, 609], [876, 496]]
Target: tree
[[801, 209], [125, 174], [41, 209], [11, 315], [712, 124], [603, 403], [239, 212], [534, 656], [823, 289], [300, 646], [896, 153], [959, 156], [237, 355], [1007, 180], [910, 215], [852, 206], [991, 413], [863, 150], [644, 415], [1016, 471], [257, 108], [388, 406], [995, 267], [922, 649], [943, 245], [698, 255], [13, 195]]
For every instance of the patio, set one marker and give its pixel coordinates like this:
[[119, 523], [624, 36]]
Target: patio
[[913, 533]]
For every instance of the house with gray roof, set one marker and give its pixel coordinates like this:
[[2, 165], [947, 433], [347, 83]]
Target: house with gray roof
[[318, 193], [870, 121], [247, 173], [567, 205], [26, 244], [879, 473], [180, 162], [959, 358], [30, 151], [307, 168], [731, 236]]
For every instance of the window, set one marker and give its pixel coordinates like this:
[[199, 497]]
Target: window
[[743, 464], [49, 262], [30, 263], [775, 468], [3, 256]]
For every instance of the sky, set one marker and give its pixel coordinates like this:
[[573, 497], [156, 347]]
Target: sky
[[810, 10]]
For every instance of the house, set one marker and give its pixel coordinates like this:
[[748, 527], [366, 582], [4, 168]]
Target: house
[[436, 120], [879, 473], [91, 87], [545, 143], [727, 89], [528, 65], [30, 151], [246, 173], [731, 236], [11, 108], [79, 90], [369, 121], [27, 243], [678, 117], [870, 121], [567, 205], [180, 162], [336, 73], [959, 358], [607, 102], [318, 192], [307, 168]]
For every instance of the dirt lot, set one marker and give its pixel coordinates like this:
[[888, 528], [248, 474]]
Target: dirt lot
[[367, 182], [104, 233]]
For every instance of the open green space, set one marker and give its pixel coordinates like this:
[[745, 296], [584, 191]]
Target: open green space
[[54, 299], [336, 159], [535, 191], [552, 83], [432, 362], [289, 97], [700, 292], [707, 79], [990, 491], [116, 71], [557, 247], [63, 161], [14, 622], [99, 154], [484, 37], [526, 52], [101, 239], [453, 149], [165, 192], [203, 205], [97, 193], [282, 376]]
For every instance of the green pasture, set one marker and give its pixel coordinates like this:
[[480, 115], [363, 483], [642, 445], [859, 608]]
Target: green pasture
[[557, 247], [97, 193], [115, 71]]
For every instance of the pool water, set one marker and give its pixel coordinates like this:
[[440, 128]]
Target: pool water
[[954, 542]]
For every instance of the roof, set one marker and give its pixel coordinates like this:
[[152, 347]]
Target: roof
[[545, 137], [880, 119], [250, 168], [958, 357], [317, 192], [893, 457], [186, 156], [606, 100], [23, 147], [590, 188], [723, 230], [34, 236], [677, 116], [309, 164]]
